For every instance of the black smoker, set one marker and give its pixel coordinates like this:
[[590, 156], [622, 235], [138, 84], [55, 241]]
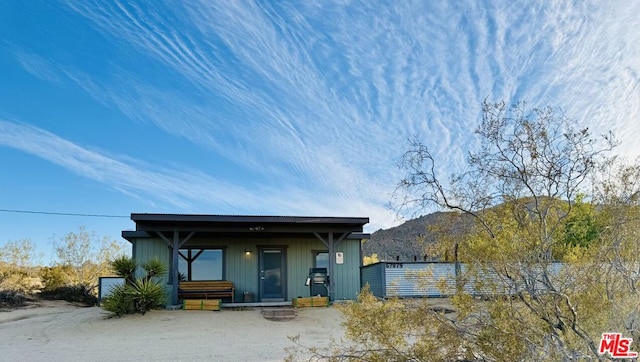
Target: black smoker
[[318, 282]]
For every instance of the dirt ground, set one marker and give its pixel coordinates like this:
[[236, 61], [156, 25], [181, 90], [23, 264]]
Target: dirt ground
[[58, 331]]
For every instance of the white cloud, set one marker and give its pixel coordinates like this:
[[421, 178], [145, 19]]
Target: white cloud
[[321, 97], [185, 189], [176, 186]]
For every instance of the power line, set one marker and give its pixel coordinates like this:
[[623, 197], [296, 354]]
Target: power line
[[60, 213]]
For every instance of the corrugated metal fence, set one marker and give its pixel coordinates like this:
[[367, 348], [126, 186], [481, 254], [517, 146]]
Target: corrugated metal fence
[[420, 279]]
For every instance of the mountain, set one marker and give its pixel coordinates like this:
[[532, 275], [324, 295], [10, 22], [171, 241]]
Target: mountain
[[408, 241]]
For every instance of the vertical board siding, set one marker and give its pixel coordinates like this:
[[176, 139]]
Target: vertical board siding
[[347, 274], [239, 268], [299, 261], [373, 275], [242, 269], [147, 249]]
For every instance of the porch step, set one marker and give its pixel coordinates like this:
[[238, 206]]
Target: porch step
[[279, 314]]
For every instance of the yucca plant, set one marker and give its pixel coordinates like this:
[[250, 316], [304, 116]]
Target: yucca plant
[[154, 268], [146, 294], [119, 302], [124, 267], [137, 295]]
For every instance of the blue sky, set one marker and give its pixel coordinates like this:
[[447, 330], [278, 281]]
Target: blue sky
[[284, 108]]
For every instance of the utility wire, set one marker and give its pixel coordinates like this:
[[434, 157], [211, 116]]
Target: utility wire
[[60, 213]]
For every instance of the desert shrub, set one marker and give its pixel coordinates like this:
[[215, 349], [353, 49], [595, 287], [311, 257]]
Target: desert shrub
[[137, 295], [11, 299], [17, 271], [15, 278], [86, 257], [53, 277], [71, 293]]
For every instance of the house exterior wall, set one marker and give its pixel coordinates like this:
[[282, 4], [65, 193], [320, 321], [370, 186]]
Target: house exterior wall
[[348, 274], [147, 249], [243, 270]]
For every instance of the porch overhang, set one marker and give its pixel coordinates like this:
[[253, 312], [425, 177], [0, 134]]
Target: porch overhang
[[177, 229], [242, 225]]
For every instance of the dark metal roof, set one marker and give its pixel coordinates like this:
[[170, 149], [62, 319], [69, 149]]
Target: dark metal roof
[[150, 224], [248, 219], [359, 236]]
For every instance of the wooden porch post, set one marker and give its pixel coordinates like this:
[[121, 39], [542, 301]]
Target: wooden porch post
[[174, 267], [175, 245], [331, 244], [332, 260]]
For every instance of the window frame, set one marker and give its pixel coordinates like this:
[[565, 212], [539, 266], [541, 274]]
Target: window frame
[[198, 251], [315, 254]]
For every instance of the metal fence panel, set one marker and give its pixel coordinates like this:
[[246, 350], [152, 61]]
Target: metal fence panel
[[373, 275], [432, 279]]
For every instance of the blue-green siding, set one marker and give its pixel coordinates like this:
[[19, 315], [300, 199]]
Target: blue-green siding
[[374, 276], [243, 271]]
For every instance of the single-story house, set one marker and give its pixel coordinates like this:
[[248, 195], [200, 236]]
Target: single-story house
[[265, 257]]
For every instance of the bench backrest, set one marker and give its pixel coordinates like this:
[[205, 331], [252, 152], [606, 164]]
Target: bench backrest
[[206, 285]]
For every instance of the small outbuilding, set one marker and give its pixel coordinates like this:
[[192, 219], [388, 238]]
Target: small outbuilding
[[266, 258]]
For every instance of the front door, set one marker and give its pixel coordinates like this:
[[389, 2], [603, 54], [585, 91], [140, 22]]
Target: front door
[[273, 279]]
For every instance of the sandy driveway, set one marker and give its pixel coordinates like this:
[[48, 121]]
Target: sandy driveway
[[57, 331]]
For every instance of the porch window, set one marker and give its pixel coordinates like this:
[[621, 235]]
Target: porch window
[[201, 264], [321, 259]]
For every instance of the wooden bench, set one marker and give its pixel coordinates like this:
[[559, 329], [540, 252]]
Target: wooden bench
[[206, 289]]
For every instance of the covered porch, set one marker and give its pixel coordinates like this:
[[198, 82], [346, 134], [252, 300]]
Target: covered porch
[[267, 258]]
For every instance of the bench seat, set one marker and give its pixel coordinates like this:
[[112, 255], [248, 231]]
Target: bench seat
[[206, 289]]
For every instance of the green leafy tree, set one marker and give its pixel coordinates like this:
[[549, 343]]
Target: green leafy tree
[[581, 227]]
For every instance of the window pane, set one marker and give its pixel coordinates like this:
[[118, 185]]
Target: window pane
[[322, 260], [272, 263], [207, 266], [182, 264]]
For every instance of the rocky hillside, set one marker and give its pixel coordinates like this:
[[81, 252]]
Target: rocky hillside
[[408, 240]]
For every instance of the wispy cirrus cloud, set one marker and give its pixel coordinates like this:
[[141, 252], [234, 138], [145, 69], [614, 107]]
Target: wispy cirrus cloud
[[124, 174], [319, 98], [183, 188]]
